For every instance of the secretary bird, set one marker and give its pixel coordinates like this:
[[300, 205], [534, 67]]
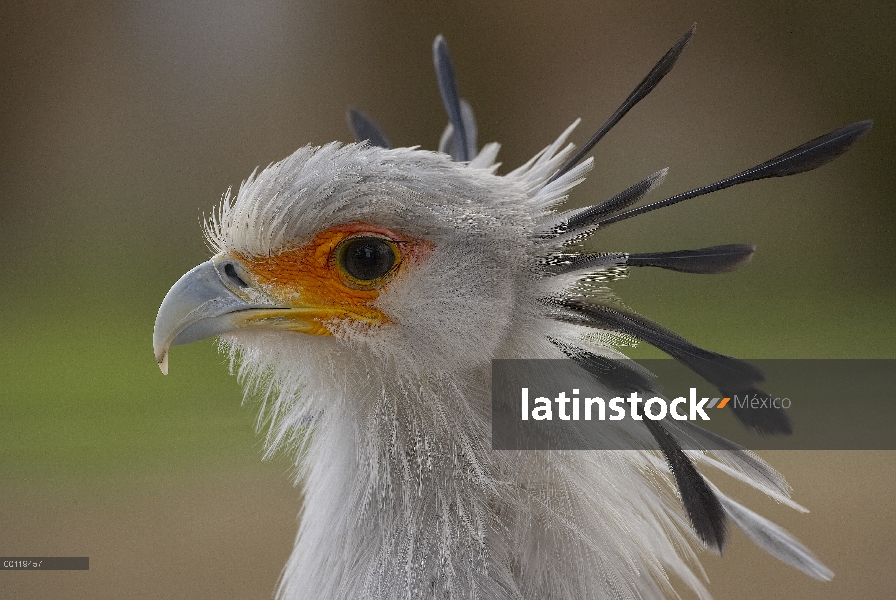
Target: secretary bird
[[363, 291]]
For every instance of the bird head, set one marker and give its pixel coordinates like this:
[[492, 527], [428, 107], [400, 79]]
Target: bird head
[[395, 254]]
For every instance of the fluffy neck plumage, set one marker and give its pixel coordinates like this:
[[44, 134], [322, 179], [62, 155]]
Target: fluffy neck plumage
[[404, 498]]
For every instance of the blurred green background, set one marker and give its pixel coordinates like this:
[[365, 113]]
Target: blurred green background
[[124, 122]]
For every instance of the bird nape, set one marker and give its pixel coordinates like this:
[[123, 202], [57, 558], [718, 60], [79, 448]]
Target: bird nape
[[362, 292]]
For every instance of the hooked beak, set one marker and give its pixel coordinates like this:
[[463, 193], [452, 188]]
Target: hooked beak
[[220, 296], [200, 305]]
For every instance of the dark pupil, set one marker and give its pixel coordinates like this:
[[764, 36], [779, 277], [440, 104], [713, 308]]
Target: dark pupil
[[367, 258]]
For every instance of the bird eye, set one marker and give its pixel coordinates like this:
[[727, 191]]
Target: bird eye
[[366, 260]]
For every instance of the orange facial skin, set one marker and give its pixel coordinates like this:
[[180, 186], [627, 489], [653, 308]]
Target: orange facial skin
[[317, 291]]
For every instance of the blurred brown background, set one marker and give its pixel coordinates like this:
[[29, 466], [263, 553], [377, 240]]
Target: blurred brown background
[[123, 123]]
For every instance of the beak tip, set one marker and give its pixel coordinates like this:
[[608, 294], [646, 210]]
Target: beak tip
[[163, 362]]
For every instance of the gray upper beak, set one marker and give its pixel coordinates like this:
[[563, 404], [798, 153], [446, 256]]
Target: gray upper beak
[[200, 305]]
